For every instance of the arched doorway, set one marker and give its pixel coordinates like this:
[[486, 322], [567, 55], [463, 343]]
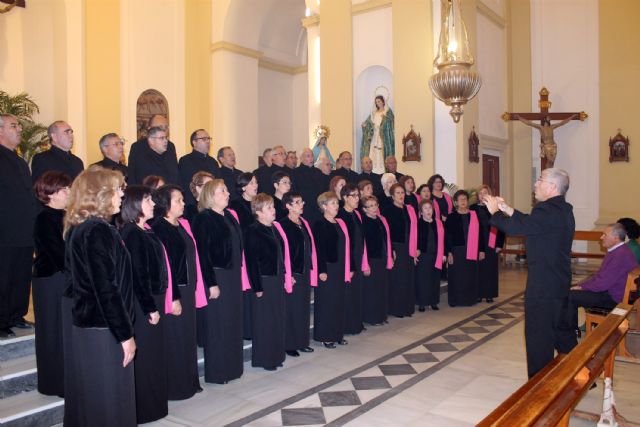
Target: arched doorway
[[150, 102]]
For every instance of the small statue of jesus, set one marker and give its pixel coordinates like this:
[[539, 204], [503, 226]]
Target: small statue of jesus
[[548, 146]]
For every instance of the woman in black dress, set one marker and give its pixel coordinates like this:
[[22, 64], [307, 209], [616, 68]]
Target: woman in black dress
[[375, 287], [99, 380], [281, 182], [185, 295], [493, 242], [424, 192], [403, 225], [442, 203], [265, 262], [334, 271], [219, 238], [430, 260], [410, 196], [303, 258], [359, 260], [49, 281], [150, 279], [463, 245], [246, 189], [196, 185]]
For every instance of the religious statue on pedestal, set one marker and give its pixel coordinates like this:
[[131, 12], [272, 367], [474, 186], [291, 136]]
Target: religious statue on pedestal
[[320, 149], [378, 140]]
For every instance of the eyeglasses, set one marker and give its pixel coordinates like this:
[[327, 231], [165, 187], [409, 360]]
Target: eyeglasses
[[204, 138], [161, 138], [284, 183], [68, 131], [298, 202], [356, 195], [115, 144]]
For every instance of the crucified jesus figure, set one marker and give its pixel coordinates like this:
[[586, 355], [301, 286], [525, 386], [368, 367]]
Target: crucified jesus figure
[[548, 146]]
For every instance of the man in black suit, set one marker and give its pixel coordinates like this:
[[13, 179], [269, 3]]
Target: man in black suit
[[228, 171], [196, 161], [59, 157], [345, 160], [18, 212], [263, 173], [278, 164], [145, 161], [391, 166], [309, 182], [549, 233], [367, 174], [112, 148]]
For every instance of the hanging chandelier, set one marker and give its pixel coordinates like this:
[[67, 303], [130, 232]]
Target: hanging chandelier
[[454, 83]]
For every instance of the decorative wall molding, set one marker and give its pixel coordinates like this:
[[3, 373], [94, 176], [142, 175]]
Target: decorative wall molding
[[240, 50], [369, 6], [310, 21], [491, 15], [264, 63]]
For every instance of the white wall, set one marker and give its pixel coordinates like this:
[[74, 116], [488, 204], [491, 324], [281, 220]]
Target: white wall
[[300, 118], [564, 58], [275, 107]]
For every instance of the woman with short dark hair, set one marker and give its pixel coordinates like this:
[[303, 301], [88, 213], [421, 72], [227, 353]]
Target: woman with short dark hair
[[442, 203], [49, 283], [150, 281]]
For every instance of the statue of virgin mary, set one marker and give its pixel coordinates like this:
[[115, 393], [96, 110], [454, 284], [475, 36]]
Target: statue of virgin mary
[[378, 140]]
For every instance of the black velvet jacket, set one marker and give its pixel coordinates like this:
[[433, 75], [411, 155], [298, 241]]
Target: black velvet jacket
[[56, 159], [263, 252], [398, 220], [427, 236], [49, 244], [484, 217], [349, 175], [143, 161], [299, 244], [309, 183], [100, 270], [243, 208], [375, 180], [456, 230], [194, 162], [263, 176], [281, 209], [356, 236], [327, 239], [148, 263], [170, 237], [18, 207], [375, 237], [229, 176], [213, 233], [190, 212], [110, 164]]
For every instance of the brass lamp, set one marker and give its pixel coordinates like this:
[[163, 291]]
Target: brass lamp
[[454, 83]]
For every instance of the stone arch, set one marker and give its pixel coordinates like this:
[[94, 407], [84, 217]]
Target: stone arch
[[150, 102]]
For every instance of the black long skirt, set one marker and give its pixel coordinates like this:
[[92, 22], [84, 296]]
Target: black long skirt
[[298, 313], [223, 346], [103, 392], [71, 415], [150, 366], [328, 309], [182, 355], [427, 281], [47, 310], [488, 282], [353, 305], [267, 314], [402, 295], [247, 323], [463, 279], [375, 292]]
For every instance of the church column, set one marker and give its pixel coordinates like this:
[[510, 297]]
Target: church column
[[336, 69], [412, 65], [312, 24]]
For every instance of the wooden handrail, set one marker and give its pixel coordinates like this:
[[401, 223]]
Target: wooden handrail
[[578, 235]]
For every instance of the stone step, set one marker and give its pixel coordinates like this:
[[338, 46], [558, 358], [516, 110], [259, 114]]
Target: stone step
[[21, 345], [31, 409], [18, 376]]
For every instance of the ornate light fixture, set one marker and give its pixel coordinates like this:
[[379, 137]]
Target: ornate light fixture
[[454, 83], [11, 5]]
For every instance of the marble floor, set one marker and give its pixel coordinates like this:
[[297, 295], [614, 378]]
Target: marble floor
[[439, 368]]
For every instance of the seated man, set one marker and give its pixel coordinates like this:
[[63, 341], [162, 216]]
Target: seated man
[[606, 287]]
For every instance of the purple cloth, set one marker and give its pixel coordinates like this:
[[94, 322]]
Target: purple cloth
[[612, 275]]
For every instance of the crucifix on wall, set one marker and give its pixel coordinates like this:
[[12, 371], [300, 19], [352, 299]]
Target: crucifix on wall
[[548, 146]]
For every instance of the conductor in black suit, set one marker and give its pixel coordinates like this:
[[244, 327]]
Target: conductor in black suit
[[549, 233]]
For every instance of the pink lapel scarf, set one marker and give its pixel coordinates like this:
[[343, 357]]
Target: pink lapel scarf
[[493, 236], [246, 285], [389, 248], [365, 258], [440, 252], [447, 197], [314, 255], [201, 297], [347, 251], [436, 206], [168, 300], [413, 231], [288, 276], [472, 236]]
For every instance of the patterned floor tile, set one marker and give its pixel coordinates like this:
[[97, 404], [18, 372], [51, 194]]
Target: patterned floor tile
[[439, 347], [303, 417], [402, 369], [420, 357], [458, 338], [339, 398], [370, 383], [474, 330]]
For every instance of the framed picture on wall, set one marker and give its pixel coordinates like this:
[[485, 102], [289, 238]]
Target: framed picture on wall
[[411, 146], [619, 148]]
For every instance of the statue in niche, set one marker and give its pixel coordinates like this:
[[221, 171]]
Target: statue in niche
[[378, 139], [320, 148]]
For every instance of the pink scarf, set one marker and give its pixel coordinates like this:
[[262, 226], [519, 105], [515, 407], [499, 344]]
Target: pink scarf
[[493, 236], [347, 251], [168, 301], [389, 248], [314, 255], [436, 206], [365, 258], [472, 236], [246, 285], [418, 198], [440, 252], [413, 231], [288, 276]]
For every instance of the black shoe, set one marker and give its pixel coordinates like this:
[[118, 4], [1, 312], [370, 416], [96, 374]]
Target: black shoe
[[594, 385], [293, 353], [329, 344], [22, 324], [7, 333], [489, 299], [421, 309], [270, 368], [199, 389], [343, 342], [435, 307], [306, 349], [579, 334]]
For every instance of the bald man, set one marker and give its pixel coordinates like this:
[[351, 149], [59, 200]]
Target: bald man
[[59, 157], [345, 160], [368, 174]]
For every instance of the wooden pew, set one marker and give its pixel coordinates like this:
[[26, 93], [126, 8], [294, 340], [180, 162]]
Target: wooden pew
[[549, 397], [578, 236]]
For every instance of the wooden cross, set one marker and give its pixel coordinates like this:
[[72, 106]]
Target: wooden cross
[[544, 113]]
